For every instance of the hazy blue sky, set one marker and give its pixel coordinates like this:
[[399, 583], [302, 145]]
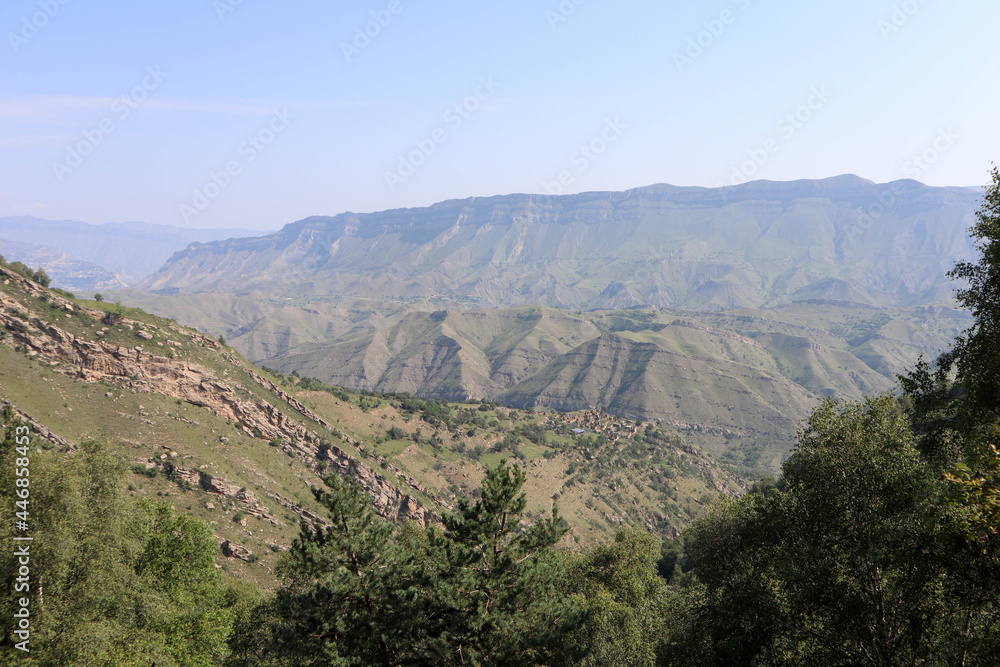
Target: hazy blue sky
[[255, 113]]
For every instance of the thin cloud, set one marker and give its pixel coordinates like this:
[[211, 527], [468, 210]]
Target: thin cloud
[[38, 107]]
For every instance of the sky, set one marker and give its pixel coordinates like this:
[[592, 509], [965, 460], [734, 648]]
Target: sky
[[255, 113]]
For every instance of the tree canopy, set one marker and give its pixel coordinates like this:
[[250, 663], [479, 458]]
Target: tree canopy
[[114, 580], [483, 589]]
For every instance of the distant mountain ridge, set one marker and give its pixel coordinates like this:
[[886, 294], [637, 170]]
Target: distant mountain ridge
[[728, 313], [67, 271], [129, 250], [752, 245]]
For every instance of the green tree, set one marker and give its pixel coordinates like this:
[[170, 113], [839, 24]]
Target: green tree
[[957, 402], [42, 278], [495, 596], [627, 600], [854, 562], [484, 591], [727, 610], [343, 584], [114, 581], [858, 518], [976, 354], [176, 571]]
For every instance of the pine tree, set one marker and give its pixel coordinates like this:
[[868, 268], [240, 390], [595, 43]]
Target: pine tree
[[342, 586], [486, 590], [497, 598]]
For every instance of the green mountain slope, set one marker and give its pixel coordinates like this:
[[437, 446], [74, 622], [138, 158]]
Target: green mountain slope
[[241, 447]]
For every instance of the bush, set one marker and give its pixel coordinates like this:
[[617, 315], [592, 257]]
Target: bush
[[147, 472]]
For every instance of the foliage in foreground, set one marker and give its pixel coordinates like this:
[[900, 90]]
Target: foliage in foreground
[[879, 545], [113, 580], [860, 559], [484, 590]]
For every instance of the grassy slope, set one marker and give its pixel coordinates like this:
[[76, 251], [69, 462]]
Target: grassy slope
[[658, 481], [653, 478]]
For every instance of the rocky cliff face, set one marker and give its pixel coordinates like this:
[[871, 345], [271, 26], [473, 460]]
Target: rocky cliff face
[[756, 244], [140, 370]]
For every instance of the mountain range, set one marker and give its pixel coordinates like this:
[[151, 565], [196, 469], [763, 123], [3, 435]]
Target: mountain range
[[758, 244], [726, 314]]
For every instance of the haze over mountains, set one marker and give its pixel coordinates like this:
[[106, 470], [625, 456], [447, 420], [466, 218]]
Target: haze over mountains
[[753, 245], [83, 256]]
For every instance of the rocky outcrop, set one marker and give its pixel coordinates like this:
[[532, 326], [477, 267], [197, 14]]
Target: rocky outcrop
[[138, 370], [388, 500], [40, 429], [298, 509], [232, 550], [197, 479]]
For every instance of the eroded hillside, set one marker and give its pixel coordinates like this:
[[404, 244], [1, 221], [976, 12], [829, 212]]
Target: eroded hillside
[[241, 447], [738, 383]]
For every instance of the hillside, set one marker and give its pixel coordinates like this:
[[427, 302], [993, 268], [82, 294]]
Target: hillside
[[738, 383], [758, 244], [240, 447]]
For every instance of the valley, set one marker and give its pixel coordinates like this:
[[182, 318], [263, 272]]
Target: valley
[[737, 383], [241, 447], [727, 314]]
